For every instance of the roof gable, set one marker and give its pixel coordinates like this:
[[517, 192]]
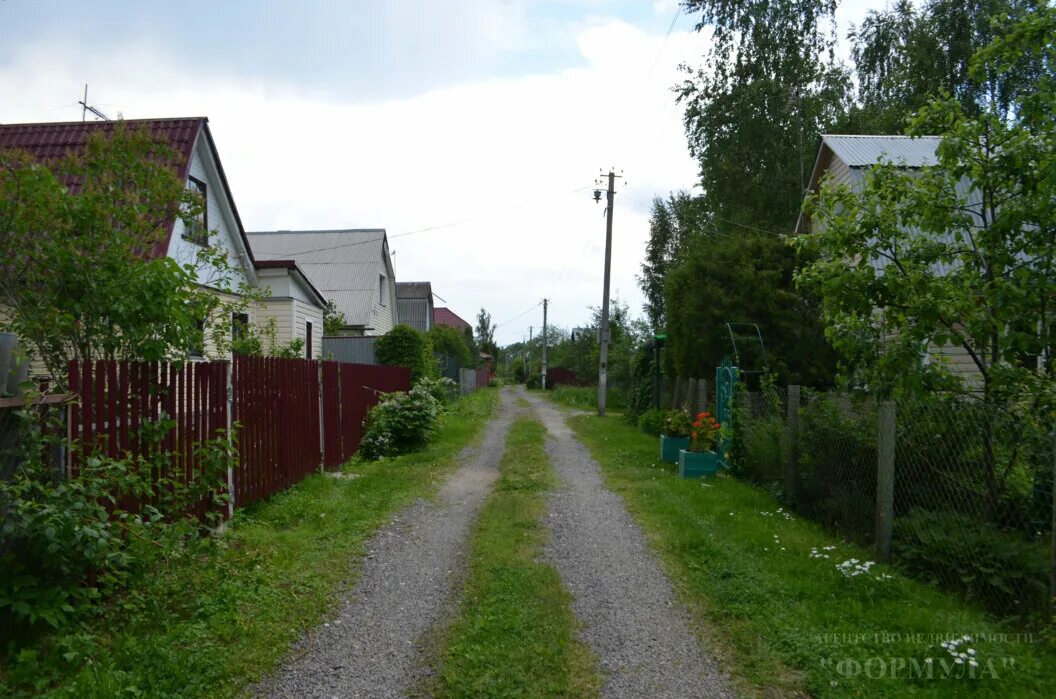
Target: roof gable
[[445, 316], [49, 142], [343, 264]]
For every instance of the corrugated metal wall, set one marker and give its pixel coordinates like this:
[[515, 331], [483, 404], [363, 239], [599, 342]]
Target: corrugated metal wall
[[350, 350], [415, 312]]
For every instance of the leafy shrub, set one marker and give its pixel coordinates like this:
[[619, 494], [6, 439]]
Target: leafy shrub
[[450, 341], [400, 423], [678, 424], [836, 471], [705, 433], [441, 388], [67, 543], [1006, 572], [405, 346], [653, 421]]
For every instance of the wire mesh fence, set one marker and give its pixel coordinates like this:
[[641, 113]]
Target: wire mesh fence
[[971, 500]]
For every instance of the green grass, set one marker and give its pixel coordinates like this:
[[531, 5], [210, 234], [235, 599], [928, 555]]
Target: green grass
[[586, 397], [210, 621], [784, 621], [515, 636]]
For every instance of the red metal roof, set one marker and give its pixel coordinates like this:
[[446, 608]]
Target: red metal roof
[[52, 141], [445, 316]]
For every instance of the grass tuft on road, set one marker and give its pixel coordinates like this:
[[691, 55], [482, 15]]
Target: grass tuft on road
[[515, 635], [789, 623], [212, 620]]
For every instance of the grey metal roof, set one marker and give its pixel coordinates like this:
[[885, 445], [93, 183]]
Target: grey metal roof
[[342, 264], [414, 290], [863, 151]]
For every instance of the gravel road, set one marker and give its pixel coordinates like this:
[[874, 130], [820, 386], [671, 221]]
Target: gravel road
[[371, 646], [632, 620]]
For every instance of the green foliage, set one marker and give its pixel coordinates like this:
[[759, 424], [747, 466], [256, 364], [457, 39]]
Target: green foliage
[[770, 85], [744, 278], [450, 341], [678, 423], [441, 388], [78, 284], [69, 543], [334, 320], [1008, 573], [586, 397], [485, 334], [400, 423], [653, 421], [405, 346]]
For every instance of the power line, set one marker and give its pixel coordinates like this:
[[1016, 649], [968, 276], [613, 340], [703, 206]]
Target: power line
[[283, 255], [521, 315]]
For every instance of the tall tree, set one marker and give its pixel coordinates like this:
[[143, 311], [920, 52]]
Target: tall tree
[[76, 282], [769, 86], [485, 332], [904, 56]]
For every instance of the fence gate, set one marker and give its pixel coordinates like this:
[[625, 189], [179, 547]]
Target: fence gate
[[725, 384]]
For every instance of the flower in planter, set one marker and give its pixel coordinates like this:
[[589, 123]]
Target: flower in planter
[[704, 433], [678, 424]]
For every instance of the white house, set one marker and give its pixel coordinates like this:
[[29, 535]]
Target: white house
[[351, 267], [198, 164]]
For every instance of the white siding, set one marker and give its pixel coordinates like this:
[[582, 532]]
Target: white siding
[[279, 311], [306, 313], [383, 318], [219, 218]]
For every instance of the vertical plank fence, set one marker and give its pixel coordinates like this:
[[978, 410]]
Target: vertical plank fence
[[138, 409], [165, 411]]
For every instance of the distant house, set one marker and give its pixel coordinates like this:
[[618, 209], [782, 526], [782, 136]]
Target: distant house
[[293, 307], [445, 316], [845, 160], [414, 303], [199, 165], [351, 267]]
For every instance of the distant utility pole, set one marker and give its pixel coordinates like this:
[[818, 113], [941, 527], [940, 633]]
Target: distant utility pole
[[528, 349], [603, 332], [545, 302]]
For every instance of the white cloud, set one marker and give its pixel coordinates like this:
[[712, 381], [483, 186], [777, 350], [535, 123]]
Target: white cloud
[[502, 158]]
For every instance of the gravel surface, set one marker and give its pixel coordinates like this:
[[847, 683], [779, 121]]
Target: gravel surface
[[371, 646], [632, 620]]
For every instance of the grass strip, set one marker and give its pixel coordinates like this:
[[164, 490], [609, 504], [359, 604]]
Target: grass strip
[[786, 619], [515, 636], [210, 621]]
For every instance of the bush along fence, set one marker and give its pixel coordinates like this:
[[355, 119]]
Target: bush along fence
[[284, 418], [951, 490]]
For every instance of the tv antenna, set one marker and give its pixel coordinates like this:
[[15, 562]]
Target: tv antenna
[[85, 108]]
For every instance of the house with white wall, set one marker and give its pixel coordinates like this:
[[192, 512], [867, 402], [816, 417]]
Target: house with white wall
[[219, 224], [845, 160], [351, 267]]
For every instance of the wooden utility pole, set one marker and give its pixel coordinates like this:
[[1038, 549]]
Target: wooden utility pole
[[545, 302], [603, 332]]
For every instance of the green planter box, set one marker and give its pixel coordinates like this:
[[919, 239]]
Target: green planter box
[[693, 464], [669, 447]]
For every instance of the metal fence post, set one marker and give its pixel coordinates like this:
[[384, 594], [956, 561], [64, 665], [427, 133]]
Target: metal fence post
[[885, 479], [793, 445], [322, 406]]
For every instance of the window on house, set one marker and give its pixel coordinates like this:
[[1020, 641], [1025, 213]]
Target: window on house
[[308, 340], [197, 229], [383, 290]]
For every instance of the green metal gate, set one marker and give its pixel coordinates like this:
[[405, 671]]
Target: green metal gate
[[725, 385]]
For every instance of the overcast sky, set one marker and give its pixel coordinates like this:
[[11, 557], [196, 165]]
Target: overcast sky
[[486, 121]]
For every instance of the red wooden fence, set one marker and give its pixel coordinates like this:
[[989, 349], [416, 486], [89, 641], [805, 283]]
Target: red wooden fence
[[349, 392], [276, 406], [281, 437], [119, 402]]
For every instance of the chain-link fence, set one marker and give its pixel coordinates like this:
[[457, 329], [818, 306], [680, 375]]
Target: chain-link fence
[[963, 497]]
